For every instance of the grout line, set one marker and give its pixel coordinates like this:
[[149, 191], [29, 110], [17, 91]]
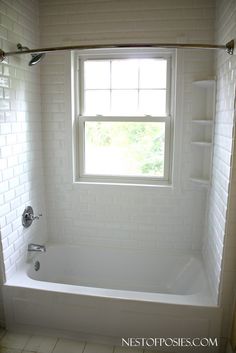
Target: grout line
[[55, 344], [30, 336], [85, 344]]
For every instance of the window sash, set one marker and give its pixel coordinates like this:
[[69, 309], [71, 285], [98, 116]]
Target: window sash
[[81, 95], [122, 178]]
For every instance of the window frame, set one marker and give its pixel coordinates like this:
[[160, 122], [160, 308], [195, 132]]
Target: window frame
[[80, 119]]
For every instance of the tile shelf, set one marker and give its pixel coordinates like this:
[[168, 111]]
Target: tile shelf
[[202, 131], [204, 83], [201, 181], [204, 122], [202, 143]]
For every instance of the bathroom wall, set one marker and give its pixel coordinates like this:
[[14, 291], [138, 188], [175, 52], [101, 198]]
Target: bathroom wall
[[21, 169], [223, 145], [122, 216], [222, 210]]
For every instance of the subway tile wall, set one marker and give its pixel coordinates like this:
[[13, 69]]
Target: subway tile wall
[[220, 245], [84, 21], [218, 209], [121, 216], [21, 167], [133, 217]]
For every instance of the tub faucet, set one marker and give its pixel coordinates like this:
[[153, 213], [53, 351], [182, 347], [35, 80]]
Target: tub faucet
[[36, 247]]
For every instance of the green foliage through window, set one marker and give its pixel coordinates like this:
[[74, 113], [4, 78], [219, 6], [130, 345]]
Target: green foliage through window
[[124, 148]]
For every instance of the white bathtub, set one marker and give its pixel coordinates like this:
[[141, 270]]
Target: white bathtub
[[106, 294]]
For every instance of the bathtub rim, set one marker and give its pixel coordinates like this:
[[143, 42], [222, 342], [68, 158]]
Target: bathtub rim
[[212, 315]]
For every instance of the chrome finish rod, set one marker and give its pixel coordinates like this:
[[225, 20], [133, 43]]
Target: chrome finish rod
[[228, 47]]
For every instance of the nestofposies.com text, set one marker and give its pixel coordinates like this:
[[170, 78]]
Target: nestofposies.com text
[[169, 342]]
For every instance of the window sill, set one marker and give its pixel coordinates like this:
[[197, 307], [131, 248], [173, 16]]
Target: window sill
[[162, 185]]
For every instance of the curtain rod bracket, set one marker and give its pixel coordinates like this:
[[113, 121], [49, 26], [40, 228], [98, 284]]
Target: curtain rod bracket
[[2, 55], [230, 47]]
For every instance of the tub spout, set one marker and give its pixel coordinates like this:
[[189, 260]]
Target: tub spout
[[36, 247]]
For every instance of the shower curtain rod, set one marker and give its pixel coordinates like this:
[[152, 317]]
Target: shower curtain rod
[[228, 47]]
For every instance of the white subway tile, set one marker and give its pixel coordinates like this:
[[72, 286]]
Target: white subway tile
[[9, 196], [5, 209], [8, 252], [10, 217], [5, 231], [4, 184]]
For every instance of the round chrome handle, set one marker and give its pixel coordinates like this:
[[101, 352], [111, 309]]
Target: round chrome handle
[[28, 217]]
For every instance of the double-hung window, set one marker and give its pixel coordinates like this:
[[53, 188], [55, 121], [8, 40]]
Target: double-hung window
[[124, 117]]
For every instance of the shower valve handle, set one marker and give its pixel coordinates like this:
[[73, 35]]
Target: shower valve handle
[[28, 217], [32, 217]]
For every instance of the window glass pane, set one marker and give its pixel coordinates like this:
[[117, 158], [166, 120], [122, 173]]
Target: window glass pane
[[124, 148], [152, 102], [97, 74], [124, 102], [153, 73], [124, 73], [96, 102], [137, 87]]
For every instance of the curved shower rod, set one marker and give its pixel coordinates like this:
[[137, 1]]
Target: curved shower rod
[[228, 47]]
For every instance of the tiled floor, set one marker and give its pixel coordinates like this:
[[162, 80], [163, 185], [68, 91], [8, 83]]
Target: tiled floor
[[21, 343]]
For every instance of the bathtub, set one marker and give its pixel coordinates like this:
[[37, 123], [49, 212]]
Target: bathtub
[[109, 294]]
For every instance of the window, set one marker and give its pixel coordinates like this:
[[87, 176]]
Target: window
[[124, 118]]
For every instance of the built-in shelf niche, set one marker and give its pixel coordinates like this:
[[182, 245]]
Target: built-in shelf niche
[[203, 108]]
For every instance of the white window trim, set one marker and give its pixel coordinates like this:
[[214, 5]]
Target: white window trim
[[79, 175]]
